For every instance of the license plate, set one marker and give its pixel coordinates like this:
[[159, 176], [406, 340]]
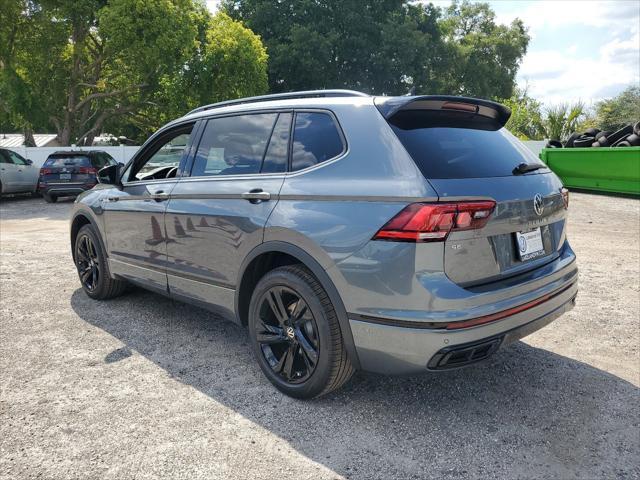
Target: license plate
[[530, 244], [65, 176]]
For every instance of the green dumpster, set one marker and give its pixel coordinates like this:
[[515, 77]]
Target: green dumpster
[[607, 169]]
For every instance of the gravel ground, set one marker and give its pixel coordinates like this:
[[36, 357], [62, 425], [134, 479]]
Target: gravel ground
[[143, 387]]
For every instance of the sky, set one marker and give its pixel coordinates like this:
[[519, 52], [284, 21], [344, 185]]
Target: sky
[[579, 50]]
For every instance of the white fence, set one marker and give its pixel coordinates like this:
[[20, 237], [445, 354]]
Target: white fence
[[123, 153], [39, 154]]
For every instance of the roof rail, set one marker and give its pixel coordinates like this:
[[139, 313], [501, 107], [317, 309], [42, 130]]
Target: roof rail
[[281, 96]]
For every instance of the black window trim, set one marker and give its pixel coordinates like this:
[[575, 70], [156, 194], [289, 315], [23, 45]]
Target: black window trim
[[142, 155], [343, 138], [205, 119]]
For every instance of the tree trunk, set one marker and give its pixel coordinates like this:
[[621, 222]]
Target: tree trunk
[[29, 141]]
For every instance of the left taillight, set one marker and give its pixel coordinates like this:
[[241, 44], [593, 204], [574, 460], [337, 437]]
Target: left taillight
[[432, 222], [45, 171]]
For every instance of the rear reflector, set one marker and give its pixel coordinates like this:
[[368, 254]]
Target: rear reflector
[[474, 322], [87, 170], [432, 222]]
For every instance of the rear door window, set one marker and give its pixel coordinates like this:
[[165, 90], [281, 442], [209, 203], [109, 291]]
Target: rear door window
[[236, 145], [67, 160], [316, 139], [445, 150]]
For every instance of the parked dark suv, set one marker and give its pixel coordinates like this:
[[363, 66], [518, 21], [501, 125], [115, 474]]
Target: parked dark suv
[[389, 234], [68, 173]]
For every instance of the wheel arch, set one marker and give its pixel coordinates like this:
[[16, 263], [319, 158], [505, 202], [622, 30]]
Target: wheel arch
[[273, 254], [79, 220]]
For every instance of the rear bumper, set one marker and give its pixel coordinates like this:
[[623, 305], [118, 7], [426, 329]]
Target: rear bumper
[[393, 349], [63, 189]]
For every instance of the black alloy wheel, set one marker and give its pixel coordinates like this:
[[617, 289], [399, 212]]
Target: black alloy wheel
[[295, 334], [88, 263], [287, 334], [92, 266]]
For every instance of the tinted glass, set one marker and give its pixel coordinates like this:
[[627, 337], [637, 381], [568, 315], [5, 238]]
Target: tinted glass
[[275, 160], [4, 158], [101, 160], [449, 152], [168, 155], [233, 145], [67, 160], [315, 140]]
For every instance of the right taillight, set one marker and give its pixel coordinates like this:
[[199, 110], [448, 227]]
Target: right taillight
[[432, 222], [565, 197]]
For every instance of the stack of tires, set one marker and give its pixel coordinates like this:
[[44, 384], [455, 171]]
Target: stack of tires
[[627, 136]]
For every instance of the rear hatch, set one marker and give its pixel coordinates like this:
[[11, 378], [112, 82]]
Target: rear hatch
[[463, 150], [68, 168]]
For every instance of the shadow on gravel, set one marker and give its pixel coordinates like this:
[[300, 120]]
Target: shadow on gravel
[[525, 413]]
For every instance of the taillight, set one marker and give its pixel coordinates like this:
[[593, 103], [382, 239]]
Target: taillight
[[88, 170], [565, 197], [432, 222], [45, 171]]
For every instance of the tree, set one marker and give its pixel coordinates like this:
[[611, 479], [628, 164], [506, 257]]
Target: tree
[[619, 111], [483, 56], [561, 120], [526, 116], [88, 64], [385, 46]]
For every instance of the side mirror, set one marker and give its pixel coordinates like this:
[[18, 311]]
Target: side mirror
[[28, 162], [121, 164], [109, 175]]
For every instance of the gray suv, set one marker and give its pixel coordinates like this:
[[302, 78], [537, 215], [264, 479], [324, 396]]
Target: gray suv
[[389, 234]]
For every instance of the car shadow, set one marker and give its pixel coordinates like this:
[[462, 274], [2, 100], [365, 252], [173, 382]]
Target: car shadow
[[525, 413]]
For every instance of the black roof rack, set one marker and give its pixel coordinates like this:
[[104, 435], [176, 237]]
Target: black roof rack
[[282, 96]]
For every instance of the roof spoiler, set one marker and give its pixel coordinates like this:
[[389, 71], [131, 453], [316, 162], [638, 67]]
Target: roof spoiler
[[389, 106]]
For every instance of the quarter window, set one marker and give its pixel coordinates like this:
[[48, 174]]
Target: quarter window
[[237, 145], [315, 140]]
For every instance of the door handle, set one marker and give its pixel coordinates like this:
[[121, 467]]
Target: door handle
[[256, 195], [112, 199], [160, 196]]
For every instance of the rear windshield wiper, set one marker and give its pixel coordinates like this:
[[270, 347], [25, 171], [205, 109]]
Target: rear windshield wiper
[[527, 167]]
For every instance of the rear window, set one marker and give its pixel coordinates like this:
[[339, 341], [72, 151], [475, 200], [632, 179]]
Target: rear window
[[442, 150], [62, 161]]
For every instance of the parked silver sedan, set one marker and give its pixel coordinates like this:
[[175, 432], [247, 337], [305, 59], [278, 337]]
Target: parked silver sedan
[[17, 174]]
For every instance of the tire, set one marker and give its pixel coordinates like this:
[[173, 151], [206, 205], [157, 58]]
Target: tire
[[619, 135], [49, 198], [602, 134], [89, 256], [634, 140], [583, 142], [553, 144], [591, 132], [636, 128], [304, 357], [572, 138], [623, 143]]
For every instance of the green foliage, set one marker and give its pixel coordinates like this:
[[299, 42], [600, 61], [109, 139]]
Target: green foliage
[[525, 117], [619, 111], [387, 46], [81, 66], [561, 120]]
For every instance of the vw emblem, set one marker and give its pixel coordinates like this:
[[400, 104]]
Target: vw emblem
[[290, 332], [538, 205]]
